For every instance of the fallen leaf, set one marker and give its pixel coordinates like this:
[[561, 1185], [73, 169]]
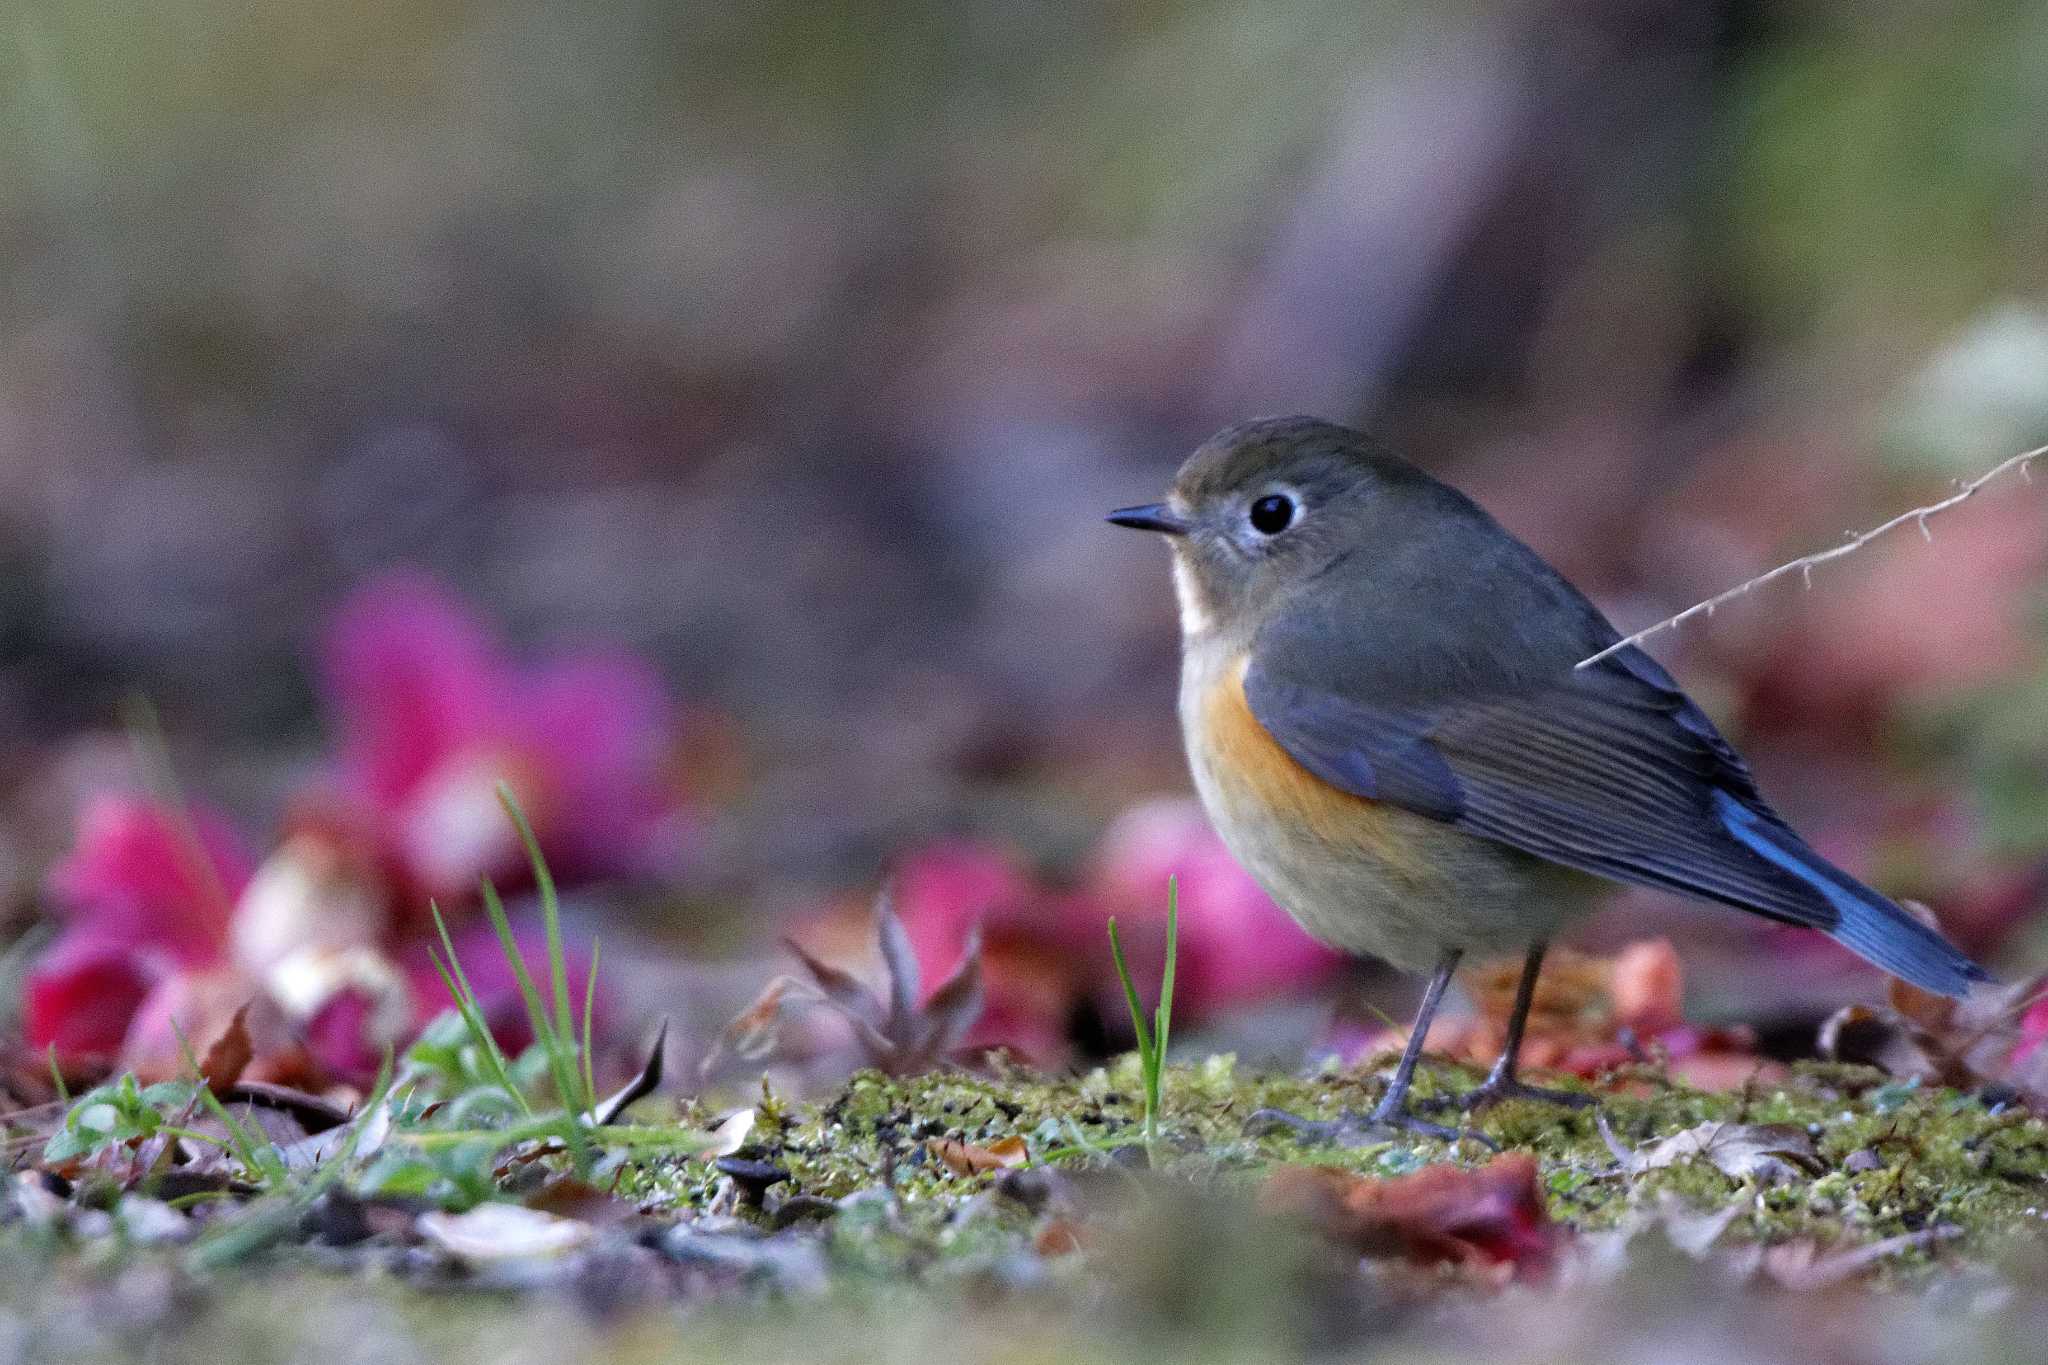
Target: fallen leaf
[[639, 1088], [1591, 1015], [963, 1158], [1769, 1153], [361, 1137], [229, 1056], [728, 1137], [756, 1031], [1059, 1237], [899, 1036], [501, 1232], [568, 1197], [1803, 1266], [1485, 1217], [1648, 987], [1963, 1044], [313, 1113]]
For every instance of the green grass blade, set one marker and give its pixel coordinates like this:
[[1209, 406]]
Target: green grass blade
[[559, 1050], [57, 1079], [1165, 1016], [561, 1065], [1123, 974], [589, 1011], [529, 994], [550, 911], [239, 1141], [457, 982]]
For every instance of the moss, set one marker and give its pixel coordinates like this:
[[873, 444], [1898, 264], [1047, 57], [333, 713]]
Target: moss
[[1927, 1157]]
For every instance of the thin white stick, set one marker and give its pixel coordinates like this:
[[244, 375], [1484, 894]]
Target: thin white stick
[[1805, 565]]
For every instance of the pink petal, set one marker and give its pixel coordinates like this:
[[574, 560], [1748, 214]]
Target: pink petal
[[490, 975], [947, 888], [192, 1008], [2033, 1031], [599, 726], [1236, 946], [411, 676], [341, 1036], [80, 997], [140, 876]]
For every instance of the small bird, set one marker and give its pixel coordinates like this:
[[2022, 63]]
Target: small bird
[[1385, 720]]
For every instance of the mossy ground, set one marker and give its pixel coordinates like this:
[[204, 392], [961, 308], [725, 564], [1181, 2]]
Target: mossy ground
[[902, 1256], [1926, 1157]]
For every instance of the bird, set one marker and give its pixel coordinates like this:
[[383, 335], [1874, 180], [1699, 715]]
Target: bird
[[1386, 721]]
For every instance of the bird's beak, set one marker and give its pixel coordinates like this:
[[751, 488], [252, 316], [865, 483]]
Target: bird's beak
[[1153, 516]]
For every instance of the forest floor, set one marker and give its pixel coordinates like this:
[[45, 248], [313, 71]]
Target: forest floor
[[1012, 1216]]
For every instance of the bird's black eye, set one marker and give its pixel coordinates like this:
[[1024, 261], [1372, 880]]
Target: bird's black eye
[[1272, 514]]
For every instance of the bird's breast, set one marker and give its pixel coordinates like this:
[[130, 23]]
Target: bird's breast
[[1256, 780], [1360, 874]]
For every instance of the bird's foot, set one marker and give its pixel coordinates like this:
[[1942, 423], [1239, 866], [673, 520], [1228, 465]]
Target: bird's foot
[[1499, 1088], [1353, 1129]]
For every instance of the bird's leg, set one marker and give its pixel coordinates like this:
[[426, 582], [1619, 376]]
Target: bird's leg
[[1392, 1113], [1502, 1083]]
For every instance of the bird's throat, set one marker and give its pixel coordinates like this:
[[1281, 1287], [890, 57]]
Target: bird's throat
[[1196, 619]]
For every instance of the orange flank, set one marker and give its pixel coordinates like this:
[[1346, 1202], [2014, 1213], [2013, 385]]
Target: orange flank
[[1255, 772]]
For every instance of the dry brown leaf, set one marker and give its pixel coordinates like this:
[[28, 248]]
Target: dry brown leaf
[[1769, 1153], [964, 1158], [229, 1056], [568, 1197], [1964, 1044], [898, 1035], [755, 1032]]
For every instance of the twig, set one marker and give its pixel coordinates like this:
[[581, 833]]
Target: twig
[[1805, 565]]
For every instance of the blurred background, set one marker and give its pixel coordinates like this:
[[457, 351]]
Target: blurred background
[[792, 351]]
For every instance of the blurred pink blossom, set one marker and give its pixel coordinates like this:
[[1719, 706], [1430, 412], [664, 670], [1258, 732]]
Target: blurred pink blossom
[[1045, 950], [152, 960], [1035, 962], [431, 716], [1237, 947], [2033, 1032], [170, 931], [170, 926], [144, 896]]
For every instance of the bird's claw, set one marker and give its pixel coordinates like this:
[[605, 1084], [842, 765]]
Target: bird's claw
[[1498, 1089]]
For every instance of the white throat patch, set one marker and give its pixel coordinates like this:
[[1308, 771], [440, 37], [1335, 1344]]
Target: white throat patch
[[1195, 620]]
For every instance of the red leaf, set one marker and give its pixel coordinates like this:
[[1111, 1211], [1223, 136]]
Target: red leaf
[[1485, 1217]]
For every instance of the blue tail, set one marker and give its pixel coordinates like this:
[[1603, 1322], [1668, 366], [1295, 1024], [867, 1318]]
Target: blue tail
[[1866, 923]]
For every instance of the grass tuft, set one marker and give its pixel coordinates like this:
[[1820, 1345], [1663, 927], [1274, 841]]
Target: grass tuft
[[1152, 1040]]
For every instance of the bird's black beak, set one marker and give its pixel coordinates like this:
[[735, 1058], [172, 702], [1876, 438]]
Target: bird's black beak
[[1153, 516]]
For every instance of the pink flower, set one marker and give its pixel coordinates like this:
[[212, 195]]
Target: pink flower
[[1237, 947], [145, 896], [490, 976], [2033, 1032], [432, 717], [1046, 953], [170, 931], [170, 928], [1033, 971]]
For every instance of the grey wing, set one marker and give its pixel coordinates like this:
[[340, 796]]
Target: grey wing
[[1609, 773]]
